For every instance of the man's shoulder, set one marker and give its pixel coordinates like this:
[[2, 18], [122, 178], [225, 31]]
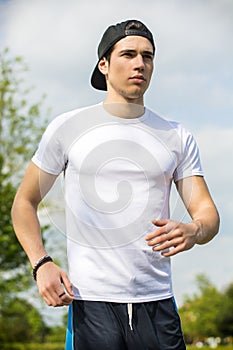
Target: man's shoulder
[[169, 130], [70, 118], [69, 114], [163, 122]]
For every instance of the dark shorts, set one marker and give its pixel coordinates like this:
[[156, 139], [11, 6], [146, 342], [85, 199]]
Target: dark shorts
[[104, 325]]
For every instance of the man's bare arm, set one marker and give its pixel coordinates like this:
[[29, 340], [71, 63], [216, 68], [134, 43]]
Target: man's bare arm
[[50, 278], [177, 236], [32, 190], [197, 199]]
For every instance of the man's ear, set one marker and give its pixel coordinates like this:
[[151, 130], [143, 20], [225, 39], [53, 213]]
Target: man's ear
[[103, 66]]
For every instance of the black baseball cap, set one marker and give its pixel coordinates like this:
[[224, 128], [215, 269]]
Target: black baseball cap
[[110, 37]]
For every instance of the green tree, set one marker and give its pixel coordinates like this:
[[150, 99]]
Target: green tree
[[21, 126], [21, 322], [20, 130], [21, 123], [225, 313], [199, 312]]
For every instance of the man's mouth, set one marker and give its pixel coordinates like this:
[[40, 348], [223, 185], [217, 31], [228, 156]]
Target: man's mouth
[[138, 78]]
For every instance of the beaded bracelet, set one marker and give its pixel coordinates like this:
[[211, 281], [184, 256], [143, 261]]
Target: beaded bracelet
[[39, 263]]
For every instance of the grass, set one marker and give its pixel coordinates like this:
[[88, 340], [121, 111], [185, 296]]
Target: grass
[[220, 347], [32, 346]]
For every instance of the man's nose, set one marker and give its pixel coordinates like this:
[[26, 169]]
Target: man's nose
[[139, 62]]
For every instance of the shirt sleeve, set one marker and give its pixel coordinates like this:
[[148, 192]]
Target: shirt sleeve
[[189, 163], [50, 155]]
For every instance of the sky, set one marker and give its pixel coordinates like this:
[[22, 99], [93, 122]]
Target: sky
[[192, 83]]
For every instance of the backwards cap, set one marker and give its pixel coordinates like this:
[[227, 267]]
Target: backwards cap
[[110, 37]]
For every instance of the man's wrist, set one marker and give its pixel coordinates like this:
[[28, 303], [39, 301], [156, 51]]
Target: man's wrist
[[43, 260]]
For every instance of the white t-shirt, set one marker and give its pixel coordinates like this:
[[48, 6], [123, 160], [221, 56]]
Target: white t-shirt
[[118, 175]]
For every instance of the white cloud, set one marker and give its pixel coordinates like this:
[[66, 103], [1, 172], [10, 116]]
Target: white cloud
[[216, 147], [59, 41]]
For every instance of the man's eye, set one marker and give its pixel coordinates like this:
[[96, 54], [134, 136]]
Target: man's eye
[[148, 57], [127, 54]]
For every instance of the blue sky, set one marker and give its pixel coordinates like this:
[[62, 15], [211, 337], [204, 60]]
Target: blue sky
[[192, 83]]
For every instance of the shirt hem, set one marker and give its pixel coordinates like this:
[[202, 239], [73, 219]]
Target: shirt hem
[[184, 176], [124, 300]]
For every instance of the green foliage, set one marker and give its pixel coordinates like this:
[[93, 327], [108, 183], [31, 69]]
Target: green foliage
[[11, 255], [20, 122], [20, 131], [20, 321], [207, 313], [56, 334], [33, 346], [225, 313], [21, 127], [221, 347]]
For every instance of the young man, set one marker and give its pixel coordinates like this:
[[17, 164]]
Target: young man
[[119, 160]]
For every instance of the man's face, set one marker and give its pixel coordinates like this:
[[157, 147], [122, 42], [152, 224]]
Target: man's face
[[129, 72]]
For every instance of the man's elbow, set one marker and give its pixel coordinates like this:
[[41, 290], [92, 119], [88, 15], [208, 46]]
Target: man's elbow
[[21, 207], [16, 208], [216, 225]]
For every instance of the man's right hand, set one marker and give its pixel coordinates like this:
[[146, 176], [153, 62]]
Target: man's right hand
[[54, 285]]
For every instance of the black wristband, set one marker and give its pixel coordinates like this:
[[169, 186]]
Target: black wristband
[[41, 262]]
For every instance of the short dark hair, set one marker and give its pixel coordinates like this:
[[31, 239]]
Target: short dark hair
[[136, 25], [130, 26], [108, 53]]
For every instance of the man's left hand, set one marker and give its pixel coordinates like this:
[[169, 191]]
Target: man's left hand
[[172, 237]]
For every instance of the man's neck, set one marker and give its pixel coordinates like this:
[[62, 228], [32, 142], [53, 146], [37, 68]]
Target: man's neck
[[124, 109]]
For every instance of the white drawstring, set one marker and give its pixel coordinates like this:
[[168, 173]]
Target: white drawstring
[[130, 314]]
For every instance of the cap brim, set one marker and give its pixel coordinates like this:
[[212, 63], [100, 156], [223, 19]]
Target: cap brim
[[98, 80]]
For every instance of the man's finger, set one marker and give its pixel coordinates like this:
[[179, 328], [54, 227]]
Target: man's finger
[[67, 284], [61, 294], [66, 299], [160, 223], [158, 232], [173, 251]]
